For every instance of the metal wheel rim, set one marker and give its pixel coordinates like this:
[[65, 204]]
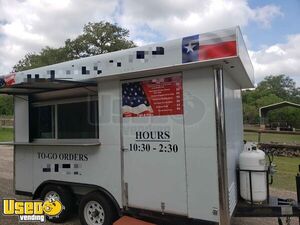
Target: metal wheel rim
[[94, 213], [52, 195]]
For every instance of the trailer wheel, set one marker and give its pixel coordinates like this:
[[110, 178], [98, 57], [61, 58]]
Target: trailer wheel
[[53, 192], [95, 209]]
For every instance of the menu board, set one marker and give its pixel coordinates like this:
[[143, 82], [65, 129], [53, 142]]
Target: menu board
[[156, 97]]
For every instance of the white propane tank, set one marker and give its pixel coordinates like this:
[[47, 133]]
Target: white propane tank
[[253, 159]]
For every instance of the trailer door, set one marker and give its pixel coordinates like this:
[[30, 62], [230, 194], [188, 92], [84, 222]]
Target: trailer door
[[154, 170]]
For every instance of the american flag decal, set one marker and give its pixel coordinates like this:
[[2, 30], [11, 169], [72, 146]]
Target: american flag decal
[[10, 79], [134, 100], [155, 97]]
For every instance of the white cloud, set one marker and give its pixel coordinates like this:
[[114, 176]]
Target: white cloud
[[175, 18], [28, 25], [282, 58], [266, 14]]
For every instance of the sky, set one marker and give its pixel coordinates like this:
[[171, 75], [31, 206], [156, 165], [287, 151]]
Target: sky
[[271, 29]]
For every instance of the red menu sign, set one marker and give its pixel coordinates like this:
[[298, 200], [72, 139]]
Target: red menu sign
[[155, 97]]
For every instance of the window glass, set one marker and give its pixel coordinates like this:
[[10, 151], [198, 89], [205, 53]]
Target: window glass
[[42, 121], [77, 120]]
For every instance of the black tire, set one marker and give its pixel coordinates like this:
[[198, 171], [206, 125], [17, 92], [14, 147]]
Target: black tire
[[107, 209], [66, 198]]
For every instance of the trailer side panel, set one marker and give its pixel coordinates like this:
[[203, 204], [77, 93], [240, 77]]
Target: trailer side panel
[[200, 140], [234, 134]]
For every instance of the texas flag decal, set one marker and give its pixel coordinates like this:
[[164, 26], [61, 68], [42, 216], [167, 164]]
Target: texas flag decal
[[190, 49], [208, 46]]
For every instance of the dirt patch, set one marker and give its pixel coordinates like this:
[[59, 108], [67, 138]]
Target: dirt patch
[[6, 162]]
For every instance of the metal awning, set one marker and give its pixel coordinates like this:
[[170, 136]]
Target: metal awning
[[265, 109], [35, 86]]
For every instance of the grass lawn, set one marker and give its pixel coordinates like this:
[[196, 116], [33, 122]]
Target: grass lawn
[[6, 134], [287, 169], [265, 137]]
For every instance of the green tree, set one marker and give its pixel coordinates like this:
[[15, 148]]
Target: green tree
[[6, 105], [250, 114], [282, 86], [47, 56], [97, 38], [267, 100], [272, 89]]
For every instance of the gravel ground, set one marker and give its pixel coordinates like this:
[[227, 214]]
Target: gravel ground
[[6, 190]]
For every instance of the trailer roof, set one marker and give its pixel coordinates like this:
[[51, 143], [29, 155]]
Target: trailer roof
[[224, 47]]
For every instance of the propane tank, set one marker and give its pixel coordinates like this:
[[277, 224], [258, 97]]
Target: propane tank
[[253, 159]]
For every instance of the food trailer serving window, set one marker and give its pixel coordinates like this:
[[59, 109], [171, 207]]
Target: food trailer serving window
[[43, 124], [71, 120], [77, 120]]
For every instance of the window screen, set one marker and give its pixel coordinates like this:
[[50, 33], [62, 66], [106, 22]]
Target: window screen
[[77, 120], [42, 121]]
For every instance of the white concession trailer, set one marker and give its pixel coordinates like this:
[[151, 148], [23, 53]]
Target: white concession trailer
[[154, 132]]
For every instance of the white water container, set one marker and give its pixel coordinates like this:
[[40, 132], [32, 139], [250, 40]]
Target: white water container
[[253, 159]]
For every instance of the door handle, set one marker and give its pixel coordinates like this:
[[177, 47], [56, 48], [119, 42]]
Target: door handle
[[125, 149]]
